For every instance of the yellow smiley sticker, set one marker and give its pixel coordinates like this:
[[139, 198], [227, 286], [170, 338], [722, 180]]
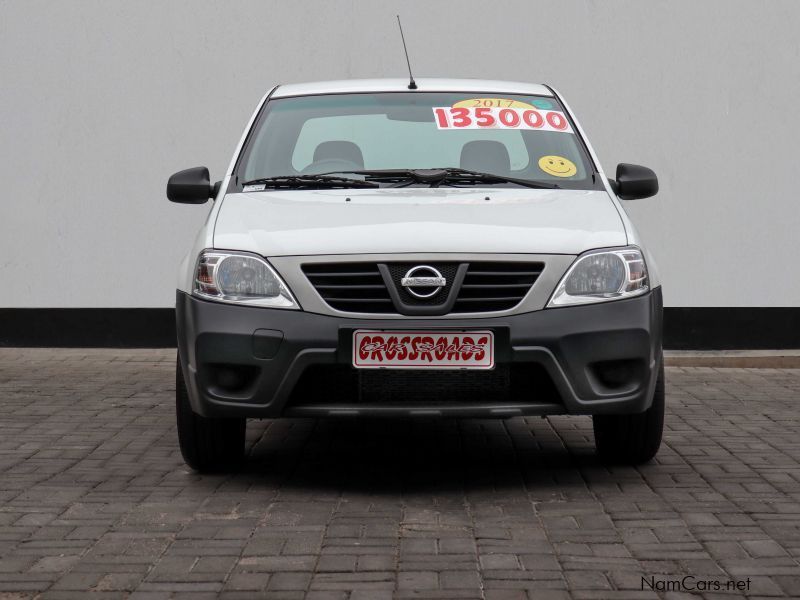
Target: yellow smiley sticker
[[558, 166]]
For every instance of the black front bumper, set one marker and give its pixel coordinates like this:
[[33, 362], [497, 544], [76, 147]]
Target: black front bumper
[[250, 362]]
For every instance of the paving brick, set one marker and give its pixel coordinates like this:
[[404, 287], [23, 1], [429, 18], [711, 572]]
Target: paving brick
[[500, 561], [493, 594], [278, 564], [327, 595], [418, 580], [337, 562], [459, 580], [247, 581], [289, 581], [371, 595], [376, 563], [763, 548]]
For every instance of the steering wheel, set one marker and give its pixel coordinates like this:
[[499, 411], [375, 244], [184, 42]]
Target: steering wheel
[[332, 164]]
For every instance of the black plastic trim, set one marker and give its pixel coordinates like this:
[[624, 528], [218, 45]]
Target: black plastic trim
[[562, 341], [433, 310], [685, 328]]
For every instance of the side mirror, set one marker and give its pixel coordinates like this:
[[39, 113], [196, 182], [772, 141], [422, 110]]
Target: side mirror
[[635, 182], [192, 186]]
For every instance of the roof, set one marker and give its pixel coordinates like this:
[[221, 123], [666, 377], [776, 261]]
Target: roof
[[401, 85]]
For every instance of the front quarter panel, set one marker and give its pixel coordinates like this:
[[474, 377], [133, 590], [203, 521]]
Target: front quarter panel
[[205, 237], [634, 238], [203, 240]]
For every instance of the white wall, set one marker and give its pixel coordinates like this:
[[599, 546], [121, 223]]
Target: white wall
[[101, 101]]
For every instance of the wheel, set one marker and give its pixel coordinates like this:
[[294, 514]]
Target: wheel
[[206, 444], [632, 439]]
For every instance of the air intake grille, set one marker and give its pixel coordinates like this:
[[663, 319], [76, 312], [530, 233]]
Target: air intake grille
[[322, 385], [351, 287], [360, 287], [495, 286]]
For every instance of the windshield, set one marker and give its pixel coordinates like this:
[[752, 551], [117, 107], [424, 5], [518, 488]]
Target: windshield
[[528, 138]]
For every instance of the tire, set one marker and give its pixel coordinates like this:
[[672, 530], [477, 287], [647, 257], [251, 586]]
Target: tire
[[632, 439], [207, 445]]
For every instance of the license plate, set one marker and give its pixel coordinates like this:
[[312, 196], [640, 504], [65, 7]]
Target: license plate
[[381, 349]]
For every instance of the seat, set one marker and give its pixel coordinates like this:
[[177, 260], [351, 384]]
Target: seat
[[339, 150], [486, 156]]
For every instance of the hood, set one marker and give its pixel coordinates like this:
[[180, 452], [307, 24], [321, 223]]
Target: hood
[[383, 221]]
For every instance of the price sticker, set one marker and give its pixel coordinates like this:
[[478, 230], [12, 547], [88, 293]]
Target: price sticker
[[500, 117]]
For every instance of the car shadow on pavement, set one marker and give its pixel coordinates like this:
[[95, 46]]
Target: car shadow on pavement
[[438, 455]]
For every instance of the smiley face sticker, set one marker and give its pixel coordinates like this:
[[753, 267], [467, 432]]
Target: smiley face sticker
[[557, 166]]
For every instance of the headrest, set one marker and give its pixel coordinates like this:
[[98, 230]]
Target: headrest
[[486, 156], [339, 150]]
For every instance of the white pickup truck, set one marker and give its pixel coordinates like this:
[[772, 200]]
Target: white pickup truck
[[452, 250]]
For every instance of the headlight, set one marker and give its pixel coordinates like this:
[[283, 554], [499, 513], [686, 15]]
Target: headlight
[[240, 278], [602, 275]]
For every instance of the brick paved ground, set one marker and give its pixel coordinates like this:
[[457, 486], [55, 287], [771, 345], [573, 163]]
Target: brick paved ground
[[94, 496]]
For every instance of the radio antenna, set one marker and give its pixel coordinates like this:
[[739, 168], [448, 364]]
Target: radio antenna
[[412, 85]]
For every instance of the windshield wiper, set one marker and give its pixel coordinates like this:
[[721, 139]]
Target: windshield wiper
[[478, 176], [310, 181], [452, 175]]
